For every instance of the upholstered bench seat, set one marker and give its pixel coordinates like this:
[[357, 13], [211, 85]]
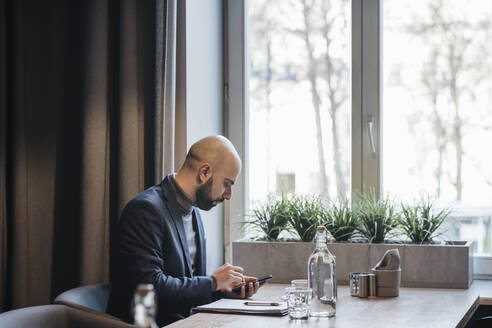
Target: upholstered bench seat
[[57, 316]]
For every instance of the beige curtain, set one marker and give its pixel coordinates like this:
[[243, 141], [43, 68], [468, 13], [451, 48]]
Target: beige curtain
[[169, 80], [86, 117]]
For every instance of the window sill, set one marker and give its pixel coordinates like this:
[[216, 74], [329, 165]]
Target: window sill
[[482, 267]]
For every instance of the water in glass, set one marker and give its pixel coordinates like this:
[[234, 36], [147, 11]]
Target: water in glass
[[298, 302]]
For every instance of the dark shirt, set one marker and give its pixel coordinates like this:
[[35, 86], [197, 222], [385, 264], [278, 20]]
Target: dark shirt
[[185, 206]]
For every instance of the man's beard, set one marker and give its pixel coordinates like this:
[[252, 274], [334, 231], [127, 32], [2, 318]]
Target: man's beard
[[204, 199]]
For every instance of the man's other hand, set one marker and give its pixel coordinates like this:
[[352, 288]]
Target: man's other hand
[[254, 285], [228, 276]]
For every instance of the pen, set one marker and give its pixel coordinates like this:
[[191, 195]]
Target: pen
[[261, 303]]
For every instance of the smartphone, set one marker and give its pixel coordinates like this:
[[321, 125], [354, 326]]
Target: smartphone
[[261, 280]]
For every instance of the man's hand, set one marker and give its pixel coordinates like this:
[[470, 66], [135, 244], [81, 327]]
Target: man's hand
[[254, 285], [228, 276]]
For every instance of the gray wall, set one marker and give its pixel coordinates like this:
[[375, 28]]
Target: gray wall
[[199, 107]]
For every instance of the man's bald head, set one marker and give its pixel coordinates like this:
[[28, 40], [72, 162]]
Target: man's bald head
[[209, 171], [215, 150]]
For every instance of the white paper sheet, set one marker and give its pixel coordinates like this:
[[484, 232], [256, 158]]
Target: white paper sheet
[[227, 305]]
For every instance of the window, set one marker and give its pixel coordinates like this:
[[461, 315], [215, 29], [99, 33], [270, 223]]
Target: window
[[437, 109], [299, 98], [413, 85]]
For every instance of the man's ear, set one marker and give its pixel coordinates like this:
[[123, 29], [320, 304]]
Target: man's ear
[[204, 173]]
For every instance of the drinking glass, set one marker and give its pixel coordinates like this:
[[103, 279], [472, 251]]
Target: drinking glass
[[299, 283], [295, 283], [298, 301]]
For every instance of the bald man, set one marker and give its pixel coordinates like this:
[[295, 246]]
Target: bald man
[[161, 238]]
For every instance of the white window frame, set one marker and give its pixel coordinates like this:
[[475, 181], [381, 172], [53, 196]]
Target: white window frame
[[236, 90], [366, 100]]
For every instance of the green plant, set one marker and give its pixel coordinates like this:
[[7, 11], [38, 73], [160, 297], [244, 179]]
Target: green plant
[[270, 217], [342, 224], [377, 217], [305, 214], [419, 223]]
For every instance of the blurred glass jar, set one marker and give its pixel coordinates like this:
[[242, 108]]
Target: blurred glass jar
[[144, 306]]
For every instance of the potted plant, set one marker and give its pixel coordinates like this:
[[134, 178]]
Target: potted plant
[[341, 223], [271, 217], [377, 217], [362, 234], [420, 223], [305, 214]]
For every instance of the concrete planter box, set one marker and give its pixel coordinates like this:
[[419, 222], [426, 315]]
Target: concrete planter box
[[444, 266]]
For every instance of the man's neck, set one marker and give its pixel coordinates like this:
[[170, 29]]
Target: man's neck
[[184, 203], [181, 181]]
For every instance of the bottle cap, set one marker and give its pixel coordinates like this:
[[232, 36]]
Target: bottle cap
[[143, 289]]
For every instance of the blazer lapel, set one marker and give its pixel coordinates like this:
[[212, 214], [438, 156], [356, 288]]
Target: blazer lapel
[[178, 223], [201, 247]]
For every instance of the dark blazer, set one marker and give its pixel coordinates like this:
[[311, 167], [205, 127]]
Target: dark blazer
[[152, 248]]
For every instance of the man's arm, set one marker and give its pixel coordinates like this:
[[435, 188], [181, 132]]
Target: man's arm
[[141, 237]]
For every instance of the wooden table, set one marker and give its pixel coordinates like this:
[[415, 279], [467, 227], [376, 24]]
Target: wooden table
[[415, 307]]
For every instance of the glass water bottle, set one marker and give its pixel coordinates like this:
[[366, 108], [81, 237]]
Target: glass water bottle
[[322, 278], [144, 306]]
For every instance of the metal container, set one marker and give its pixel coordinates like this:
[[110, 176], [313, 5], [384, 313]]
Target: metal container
[[363, 285], [372, 284], [354, 283]]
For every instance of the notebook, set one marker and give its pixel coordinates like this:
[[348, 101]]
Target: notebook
[[227, 305]]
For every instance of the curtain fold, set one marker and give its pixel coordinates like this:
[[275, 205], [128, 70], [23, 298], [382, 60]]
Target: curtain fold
[[167, 125], [83, 111], [3, 155]]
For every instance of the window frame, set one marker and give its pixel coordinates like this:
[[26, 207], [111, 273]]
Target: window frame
[[366, 98], [236, 91], [366, 95]]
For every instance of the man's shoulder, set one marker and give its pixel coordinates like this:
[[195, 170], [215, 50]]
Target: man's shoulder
[[150, 195], [150, 198]]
